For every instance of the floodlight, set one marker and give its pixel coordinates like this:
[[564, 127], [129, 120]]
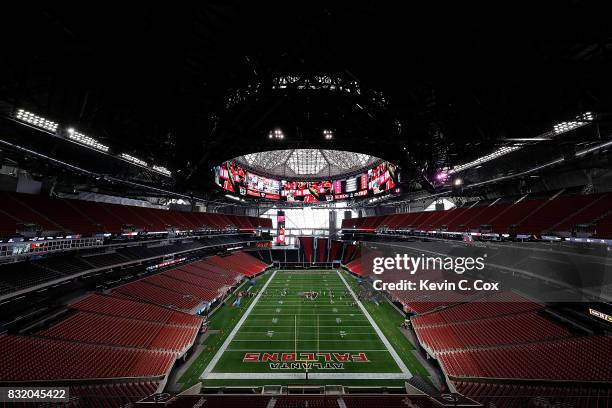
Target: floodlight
[[162, 170], [85, 140], [502, 151], [23, 115], [276, 134], [133, 159], [580, 120]]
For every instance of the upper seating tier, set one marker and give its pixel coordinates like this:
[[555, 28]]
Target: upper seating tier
[[88, 217], [560, 214]]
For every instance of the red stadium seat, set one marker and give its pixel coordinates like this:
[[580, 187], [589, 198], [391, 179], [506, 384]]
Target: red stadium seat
[[564, 360], [111, 306], [34, 359], [88, 217], [117, 331], [513, 329], [528, 216]]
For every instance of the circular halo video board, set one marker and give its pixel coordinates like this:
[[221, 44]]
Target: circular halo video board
[[237, 178]]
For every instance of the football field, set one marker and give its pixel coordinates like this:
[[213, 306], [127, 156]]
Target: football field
[[306, 323]]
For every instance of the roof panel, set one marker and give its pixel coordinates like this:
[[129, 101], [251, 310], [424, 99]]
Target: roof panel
[[307, 162]]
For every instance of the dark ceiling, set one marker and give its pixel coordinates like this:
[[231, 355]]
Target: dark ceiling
[[152, 80]]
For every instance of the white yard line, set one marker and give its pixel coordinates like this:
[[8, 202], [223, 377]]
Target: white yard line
[[208, 374], [291, 349], [267, 340], [311, 375], [284, 331], [388, 345], [265, 303], [309, 314], [301, 325], [233, 333]]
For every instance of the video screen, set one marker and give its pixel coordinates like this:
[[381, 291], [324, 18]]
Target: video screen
[[235, 179], [264, 187], [307, 191], [383, 178], [280, 228], [356, 186], [231, 177]]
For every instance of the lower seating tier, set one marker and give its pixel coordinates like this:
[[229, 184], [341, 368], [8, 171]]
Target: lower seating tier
[[573, 359], [111, 306], [33, 358], [94, 328], [512, 329], [526, 395], [110, 395]]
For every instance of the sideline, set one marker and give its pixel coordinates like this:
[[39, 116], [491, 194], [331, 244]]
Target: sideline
[[213, 362], [388, 345]]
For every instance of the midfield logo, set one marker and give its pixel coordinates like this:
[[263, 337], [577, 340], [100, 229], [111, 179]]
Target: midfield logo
[[290, 361]]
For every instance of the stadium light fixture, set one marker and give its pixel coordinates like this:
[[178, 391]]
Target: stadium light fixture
[[559, 128], [328, 134], [162, 170], [581, 120], [133, 159], [25, 116], [85, 140], [563, 127], [276, 134], [502, 151]]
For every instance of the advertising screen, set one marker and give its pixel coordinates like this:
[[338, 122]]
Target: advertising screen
[[382, 178], [231, 177], [235, 179], [356, 186], [280, 227], [307, 191], [351, 185], [264, 187]]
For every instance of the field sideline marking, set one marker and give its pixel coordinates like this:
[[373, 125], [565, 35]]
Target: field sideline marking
[[331, 316], [300, 376], [234, 331], [302, 325], [282, 350], [208, 374], [281, 331], [266, 340], [388, 345]]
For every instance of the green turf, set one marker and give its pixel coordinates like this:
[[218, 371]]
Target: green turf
[[289, 323], [292, 324], [354, 383], [223, 320], [389, 320]]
